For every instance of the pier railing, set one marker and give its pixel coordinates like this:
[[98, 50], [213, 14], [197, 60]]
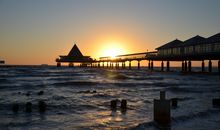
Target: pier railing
[[129, 57]]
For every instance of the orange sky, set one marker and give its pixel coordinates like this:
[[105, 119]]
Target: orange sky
[[37, 32]]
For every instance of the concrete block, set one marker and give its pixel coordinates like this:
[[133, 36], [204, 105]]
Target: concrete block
[[162, 110], [216, 102]]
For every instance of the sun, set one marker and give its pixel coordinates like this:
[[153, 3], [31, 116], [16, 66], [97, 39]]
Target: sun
[[112, 52]]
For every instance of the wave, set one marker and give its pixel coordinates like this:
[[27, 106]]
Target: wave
[[81, 83]]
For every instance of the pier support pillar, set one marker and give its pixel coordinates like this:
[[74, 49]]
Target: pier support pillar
[[162, 66], [152, 65], [219, 67], [124, 67], [149, 65], [168, 65], [189, 66], [103, 64], [129, 64], [58, 64], [203, 66], [210, 66], [138, 64], [71, 64], [183, 67], [107, 64]]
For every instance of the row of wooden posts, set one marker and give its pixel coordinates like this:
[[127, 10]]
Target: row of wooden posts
[[186, 65]]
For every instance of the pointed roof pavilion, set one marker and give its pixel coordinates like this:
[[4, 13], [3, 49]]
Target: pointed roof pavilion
[[75, 52], [74, 55]]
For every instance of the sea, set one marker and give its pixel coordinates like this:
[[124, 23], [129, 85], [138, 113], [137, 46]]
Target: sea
[[79, 98]]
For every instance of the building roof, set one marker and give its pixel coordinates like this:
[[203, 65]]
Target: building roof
[[194, 41], [75, 52], [213, 39], [172, 44]]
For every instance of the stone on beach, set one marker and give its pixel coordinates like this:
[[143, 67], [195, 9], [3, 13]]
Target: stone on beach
[[114, 104], [40, 93], [124, 104], [42, 106], [216, 102], [28, 107], [174, 102], [15, 107]]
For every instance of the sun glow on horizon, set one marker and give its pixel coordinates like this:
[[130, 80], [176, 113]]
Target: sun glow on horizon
[[113, 52], [112, 49]]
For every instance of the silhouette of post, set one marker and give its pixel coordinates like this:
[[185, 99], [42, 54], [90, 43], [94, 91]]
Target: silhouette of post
[[162, 66], [58, 64], [138, 64], [152, 65], [168, 65], [71, 64], [124, 65], [189, 66], [129, 64], [219, 67], [162, 110], [210, 66], [183, 67], [203, 66], [149, 65], [103, 64]]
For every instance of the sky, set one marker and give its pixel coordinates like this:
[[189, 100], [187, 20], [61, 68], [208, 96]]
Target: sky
[[38, 31]]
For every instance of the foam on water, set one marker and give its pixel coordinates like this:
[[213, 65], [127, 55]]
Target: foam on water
[[79, 98]]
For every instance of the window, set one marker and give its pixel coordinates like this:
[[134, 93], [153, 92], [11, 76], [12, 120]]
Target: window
[[217, 47], [176, 51], [208, 47]]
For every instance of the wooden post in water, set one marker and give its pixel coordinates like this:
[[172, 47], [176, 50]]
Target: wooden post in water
[[149, 65], [203, 66], [162, 66], [162, 110], [129, 64], [189, 66], [71, 64], [210, 66], [98, 64], [219, 67], [138, 64], [183, 67], [58, 64], [152, 65], [168, 66]]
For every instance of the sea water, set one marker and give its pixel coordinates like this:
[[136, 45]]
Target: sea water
[[79, 98]]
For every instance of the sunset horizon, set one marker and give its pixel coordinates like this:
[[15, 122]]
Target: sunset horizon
[[110, 64], [37, 32]]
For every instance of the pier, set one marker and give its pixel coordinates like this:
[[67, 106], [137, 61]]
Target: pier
[[2, 62], [194, 49]]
